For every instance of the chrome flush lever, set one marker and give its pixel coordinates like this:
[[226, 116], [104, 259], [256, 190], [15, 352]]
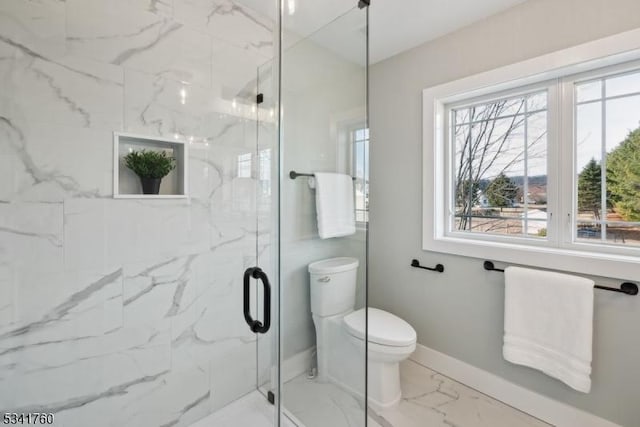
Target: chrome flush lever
[[324, 279]]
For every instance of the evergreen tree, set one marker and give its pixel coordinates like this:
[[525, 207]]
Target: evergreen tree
[[590, 188], [623, 177], [502, 191]]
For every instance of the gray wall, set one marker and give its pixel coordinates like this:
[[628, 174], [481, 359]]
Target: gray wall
[[460, 312]]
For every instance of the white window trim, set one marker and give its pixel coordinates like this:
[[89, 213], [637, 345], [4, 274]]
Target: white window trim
[[590, 56]]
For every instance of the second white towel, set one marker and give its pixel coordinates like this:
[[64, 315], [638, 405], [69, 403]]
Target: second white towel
[[334, 205], [548, 324]]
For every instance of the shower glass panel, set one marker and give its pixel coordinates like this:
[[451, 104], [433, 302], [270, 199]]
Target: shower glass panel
[[323, 129], [123, 309]]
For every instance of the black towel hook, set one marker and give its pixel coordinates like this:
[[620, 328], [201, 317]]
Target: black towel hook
[[439, 267]]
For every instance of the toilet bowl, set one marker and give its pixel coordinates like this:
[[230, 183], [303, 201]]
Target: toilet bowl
[[341, 333]]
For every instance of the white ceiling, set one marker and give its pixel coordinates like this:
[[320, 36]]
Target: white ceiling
[[398, 25], [394, 25]]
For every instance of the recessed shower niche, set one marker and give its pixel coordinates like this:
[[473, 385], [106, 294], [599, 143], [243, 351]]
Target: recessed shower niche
[[127, 184]]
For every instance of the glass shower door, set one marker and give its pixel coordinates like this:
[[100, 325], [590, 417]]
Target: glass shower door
[[323, 128], [266, 224]]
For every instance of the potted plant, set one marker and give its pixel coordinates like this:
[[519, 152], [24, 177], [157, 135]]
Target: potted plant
[[150, 166]]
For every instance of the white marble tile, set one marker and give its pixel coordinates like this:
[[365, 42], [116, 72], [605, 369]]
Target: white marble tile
[[138, 38], [317, 404], [229, 21], [208, 321], [205, 175], [54, 336], [84, 234], [77, 304], [9, 164], [150, 231], [37, 26], [159, 7], [43, 170], [31, 231], [435, 400], [178, 398], [235, 69], [153, 291], [429, 399], [251, 410], [165, 398], [81, 370], [70, 91], [6, 297], [107, 30], [155, 105], [233, 373]]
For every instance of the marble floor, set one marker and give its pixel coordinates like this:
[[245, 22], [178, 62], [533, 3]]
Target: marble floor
[[252, 410], [429, 400], [319, 404]]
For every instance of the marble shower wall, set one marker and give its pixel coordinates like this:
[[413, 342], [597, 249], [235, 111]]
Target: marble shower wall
[[126, 312]]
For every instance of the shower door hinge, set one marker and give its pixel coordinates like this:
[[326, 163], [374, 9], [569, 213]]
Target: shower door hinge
[[364, 3], [260, 99], [271, 397]]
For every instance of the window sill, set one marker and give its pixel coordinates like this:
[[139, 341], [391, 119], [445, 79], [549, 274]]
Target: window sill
[[562, 259]]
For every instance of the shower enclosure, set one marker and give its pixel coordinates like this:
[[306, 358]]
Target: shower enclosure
[[125, 309]]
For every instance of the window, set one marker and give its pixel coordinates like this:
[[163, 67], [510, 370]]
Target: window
[[538, 163], [264, 171], [244, 165], [360, 169]]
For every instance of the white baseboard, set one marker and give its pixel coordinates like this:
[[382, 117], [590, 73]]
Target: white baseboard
[[551, 411]]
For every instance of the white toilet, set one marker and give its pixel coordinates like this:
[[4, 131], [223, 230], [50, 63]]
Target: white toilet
[[340, 335]]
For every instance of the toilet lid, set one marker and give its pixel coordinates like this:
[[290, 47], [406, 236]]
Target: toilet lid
[[384, 328]]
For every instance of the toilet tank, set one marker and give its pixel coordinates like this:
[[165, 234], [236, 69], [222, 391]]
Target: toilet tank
[[333, 285]]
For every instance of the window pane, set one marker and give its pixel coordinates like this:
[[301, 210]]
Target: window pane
[[359, 169], [588, 168], [622, 85], [589, 91], [495, 157], [588, 134], [535, 202], [623, 171], [623, 234], [623, 117], [512, 106], [608, 197], [461, 116], [537, 102]]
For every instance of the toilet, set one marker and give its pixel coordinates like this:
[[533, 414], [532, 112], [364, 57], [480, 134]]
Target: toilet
[[340, 335]]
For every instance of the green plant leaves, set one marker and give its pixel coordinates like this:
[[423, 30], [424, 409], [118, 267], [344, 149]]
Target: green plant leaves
[[150, 164]]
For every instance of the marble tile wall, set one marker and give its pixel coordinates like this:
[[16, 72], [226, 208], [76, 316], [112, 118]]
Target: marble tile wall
[[123, 312]]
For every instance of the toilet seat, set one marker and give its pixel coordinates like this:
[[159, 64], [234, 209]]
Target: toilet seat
[[385, 329]]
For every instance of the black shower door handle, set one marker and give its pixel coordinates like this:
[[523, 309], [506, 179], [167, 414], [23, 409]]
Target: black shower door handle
[[256, 325]]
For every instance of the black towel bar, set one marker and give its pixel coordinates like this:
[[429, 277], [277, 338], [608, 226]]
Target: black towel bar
[[439, 267], [626, 288]]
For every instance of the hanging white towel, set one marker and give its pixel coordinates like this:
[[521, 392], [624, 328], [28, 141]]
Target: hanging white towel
[[334, 205], [548, 324]]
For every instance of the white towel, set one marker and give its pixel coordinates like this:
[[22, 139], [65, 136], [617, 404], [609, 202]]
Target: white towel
[[334, 205], [548, 324]]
